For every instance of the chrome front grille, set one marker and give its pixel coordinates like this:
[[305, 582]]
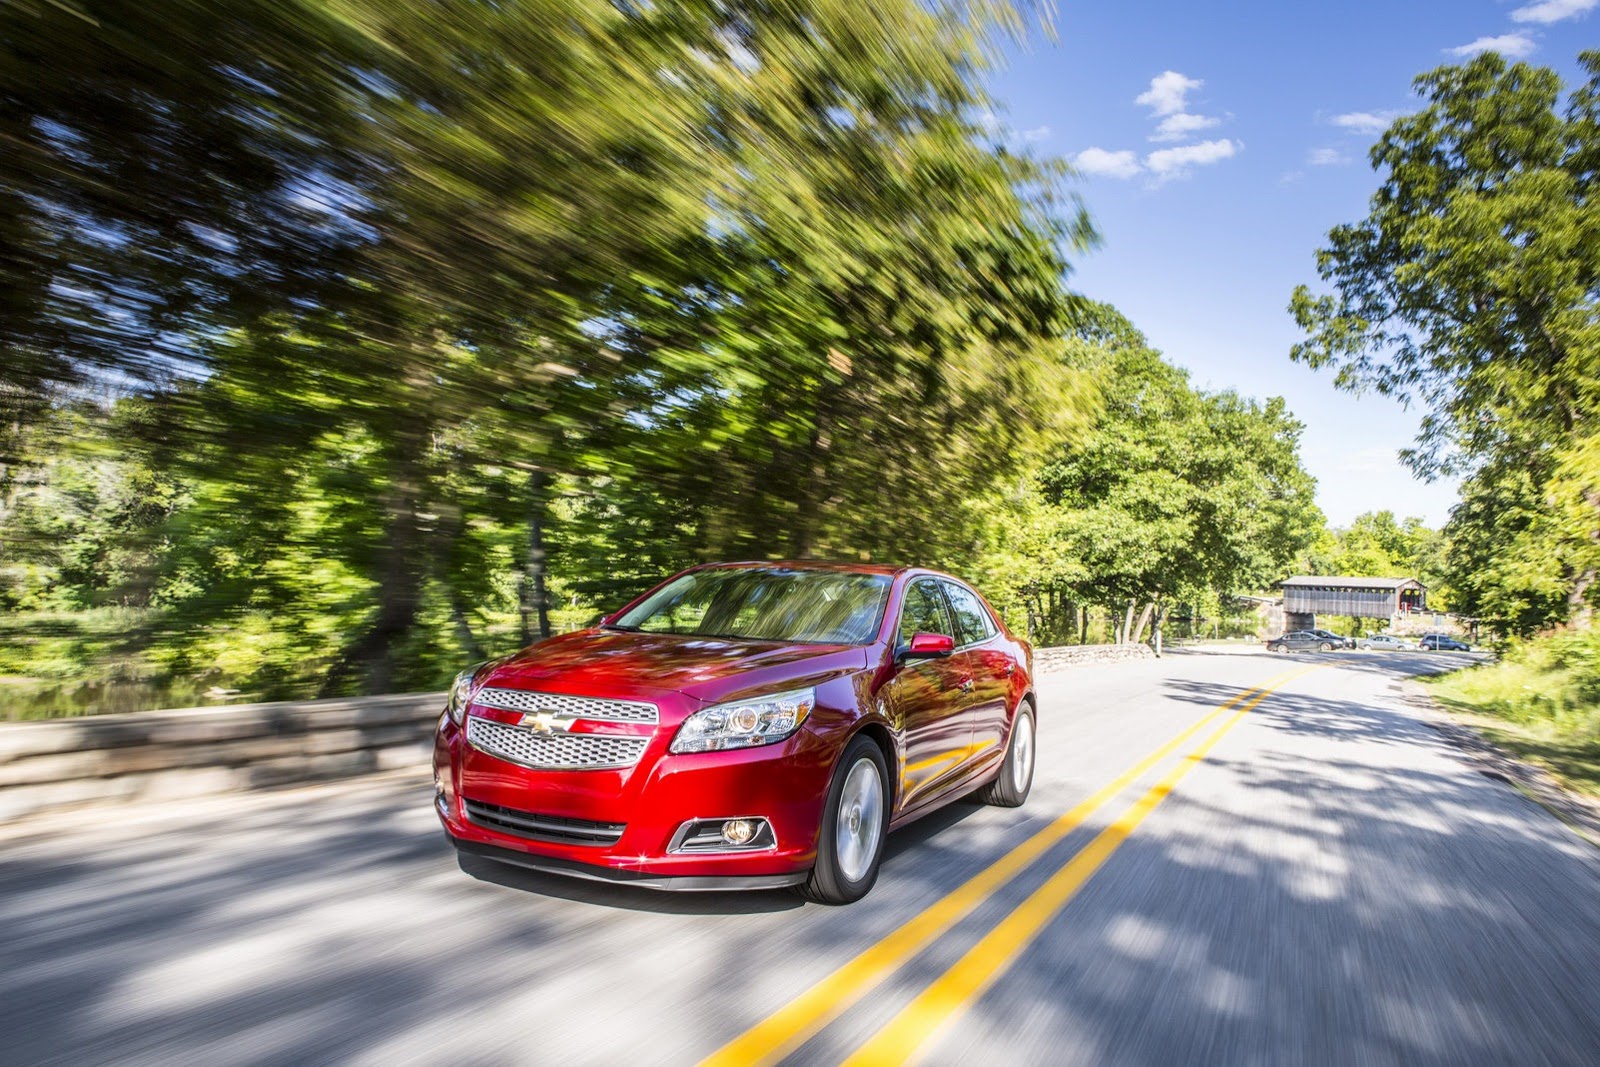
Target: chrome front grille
[[568, 707], [537, 827], [555, 752]]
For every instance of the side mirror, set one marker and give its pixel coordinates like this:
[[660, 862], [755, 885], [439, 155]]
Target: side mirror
[[931, 645]]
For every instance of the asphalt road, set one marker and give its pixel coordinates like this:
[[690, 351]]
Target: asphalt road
[[1322, 879]]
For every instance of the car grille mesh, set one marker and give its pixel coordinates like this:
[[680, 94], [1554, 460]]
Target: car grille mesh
[[537, 827], [568, 707], [553, 751]]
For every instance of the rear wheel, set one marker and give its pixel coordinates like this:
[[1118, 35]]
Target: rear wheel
[[1010, 789], [854, 824]]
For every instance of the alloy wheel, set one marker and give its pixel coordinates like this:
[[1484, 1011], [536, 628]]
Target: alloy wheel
[[858, 830]]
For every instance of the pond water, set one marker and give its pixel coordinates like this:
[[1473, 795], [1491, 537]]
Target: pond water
[[28, 698]]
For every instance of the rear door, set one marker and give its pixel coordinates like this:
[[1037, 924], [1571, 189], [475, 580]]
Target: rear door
[[928, 699], [985, 671]]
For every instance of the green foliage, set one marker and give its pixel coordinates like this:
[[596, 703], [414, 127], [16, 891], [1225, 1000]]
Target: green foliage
[[1376, 545], [1471, 289], [1172, 495], [1541, 701]]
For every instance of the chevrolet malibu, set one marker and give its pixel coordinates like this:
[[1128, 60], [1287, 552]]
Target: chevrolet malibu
[[740, 726]]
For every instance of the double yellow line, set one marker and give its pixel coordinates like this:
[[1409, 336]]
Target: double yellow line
[[790, 1026]]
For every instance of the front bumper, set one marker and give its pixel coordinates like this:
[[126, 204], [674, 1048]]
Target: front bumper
[[785, 784], [617, 876]]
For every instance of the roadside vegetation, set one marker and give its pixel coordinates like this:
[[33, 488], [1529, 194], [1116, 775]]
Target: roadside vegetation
[[1540, 701]]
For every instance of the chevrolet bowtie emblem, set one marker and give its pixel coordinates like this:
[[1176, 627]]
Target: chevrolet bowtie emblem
[[546, 722]]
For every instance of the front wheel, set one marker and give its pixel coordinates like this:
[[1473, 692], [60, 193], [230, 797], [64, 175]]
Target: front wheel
[[1325, 647], [854, 823], [1010, 789]]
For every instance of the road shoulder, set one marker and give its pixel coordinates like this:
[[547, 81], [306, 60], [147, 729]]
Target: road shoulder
[[1577, 812]]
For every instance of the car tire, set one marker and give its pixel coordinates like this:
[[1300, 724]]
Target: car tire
[[1325, 647], [1011, 785], [855, 822], [1274, 648]]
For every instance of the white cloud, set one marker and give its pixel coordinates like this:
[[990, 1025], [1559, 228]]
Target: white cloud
[[1038, 133], [1167, 91], [1365, 121], [1106, 163], [1326, 157], [1176, 127], [1515, 45], [1548, 11], [1173, 162]]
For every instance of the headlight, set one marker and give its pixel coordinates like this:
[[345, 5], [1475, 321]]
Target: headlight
[[745, 723], [461, 693]]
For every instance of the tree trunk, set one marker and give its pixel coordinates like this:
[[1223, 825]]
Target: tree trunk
[[1126, 632], [1580, 613], [400, 576], [533, 600], [464, 634], [804, 536], [1083, 624], [1144, 619]]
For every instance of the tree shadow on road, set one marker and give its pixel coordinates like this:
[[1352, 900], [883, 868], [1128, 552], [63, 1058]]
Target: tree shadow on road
[[1317, 900]]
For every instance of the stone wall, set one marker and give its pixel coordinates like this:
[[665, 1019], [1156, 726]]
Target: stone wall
[[1051, 659], [196, 751]]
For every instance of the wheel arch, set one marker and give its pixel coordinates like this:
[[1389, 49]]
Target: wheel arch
[[879, 734]]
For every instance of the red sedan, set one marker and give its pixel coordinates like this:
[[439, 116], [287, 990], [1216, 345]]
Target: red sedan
[[746, 725]]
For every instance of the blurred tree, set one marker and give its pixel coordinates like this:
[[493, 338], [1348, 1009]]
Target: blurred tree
[[429, 294]]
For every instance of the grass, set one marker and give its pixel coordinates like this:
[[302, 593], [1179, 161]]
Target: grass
[[1540, 703]]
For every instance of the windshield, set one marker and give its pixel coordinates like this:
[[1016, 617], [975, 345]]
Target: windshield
[[766, 604]]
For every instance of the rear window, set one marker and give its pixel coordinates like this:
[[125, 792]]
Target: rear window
[[972, 620]]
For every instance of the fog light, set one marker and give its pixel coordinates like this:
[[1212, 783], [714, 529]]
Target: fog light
[[738, 831]]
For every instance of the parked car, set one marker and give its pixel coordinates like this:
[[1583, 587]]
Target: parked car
[[1303, 641], [1442, 643], [1337, 640], [1385, 641], [744, 725]]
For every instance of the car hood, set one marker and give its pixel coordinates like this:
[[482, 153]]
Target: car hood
[[619, 663]]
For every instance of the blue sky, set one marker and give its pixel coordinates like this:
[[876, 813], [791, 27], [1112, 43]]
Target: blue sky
[[1218, 144]]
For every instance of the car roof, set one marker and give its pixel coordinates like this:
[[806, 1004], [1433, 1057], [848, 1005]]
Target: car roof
[[810, 565]]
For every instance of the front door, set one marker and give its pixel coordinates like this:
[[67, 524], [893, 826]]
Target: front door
[[927, 697], [987, 669]]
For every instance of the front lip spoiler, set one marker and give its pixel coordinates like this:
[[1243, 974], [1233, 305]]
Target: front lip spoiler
[[679, 883]]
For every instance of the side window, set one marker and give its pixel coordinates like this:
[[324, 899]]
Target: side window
[[924, 612], [972, 620]]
